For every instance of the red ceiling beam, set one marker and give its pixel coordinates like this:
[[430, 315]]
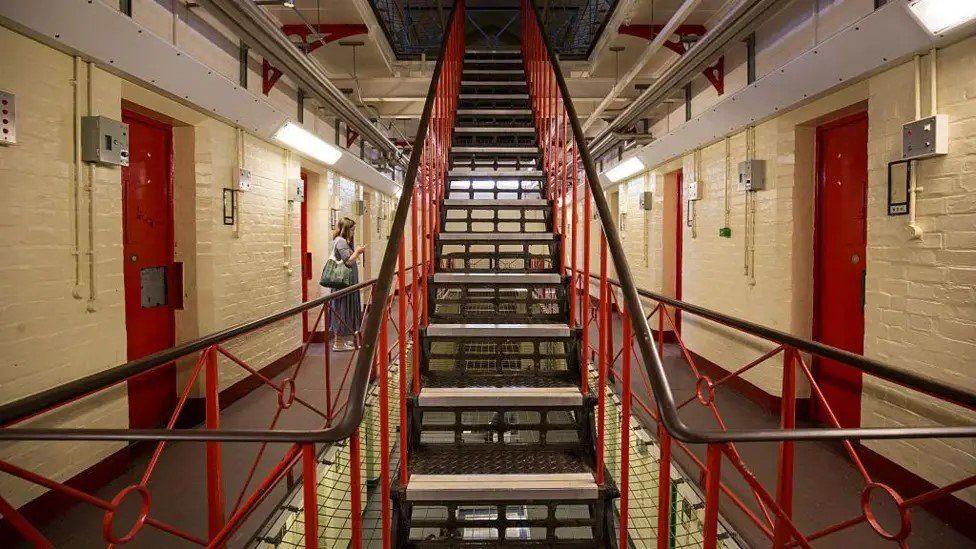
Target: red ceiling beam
[[715, 74], [323, 33]]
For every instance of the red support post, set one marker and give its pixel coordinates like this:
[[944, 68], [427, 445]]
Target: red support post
[[784, 473], [310, 496], [383, 370], [23, 526], [215, 477], [602, 360], [415, 289], [355, 492], [402, 343], [625, 396], [713, 477], [664, 489], [585, 308], [573, 277], [327, 319]]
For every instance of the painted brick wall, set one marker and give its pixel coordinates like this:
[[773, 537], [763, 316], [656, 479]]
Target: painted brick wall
[[921, 302], [47, 336]]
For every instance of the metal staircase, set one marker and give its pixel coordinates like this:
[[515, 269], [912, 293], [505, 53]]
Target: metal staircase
[[501, 449]]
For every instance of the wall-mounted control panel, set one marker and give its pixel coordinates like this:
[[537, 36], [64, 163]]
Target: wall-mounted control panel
[[8, 118], [104, 141], [752, 175], [646, 200], [296, 190], [243, 180], [692, 190], [925, 137]]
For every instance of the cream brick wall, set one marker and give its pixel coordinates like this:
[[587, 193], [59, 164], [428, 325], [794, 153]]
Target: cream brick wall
[[921, 302], [48, 337]]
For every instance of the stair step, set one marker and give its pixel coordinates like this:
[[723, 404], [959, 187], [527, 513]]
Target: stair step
[[498, 330], [507, 61], [494, 71], [508, 397], [504, 96], [488, 149], [496, 237], [501, 130], [514, 487], [496, 204], [467, 173], [493, 83], [497, 278], [494, 112]]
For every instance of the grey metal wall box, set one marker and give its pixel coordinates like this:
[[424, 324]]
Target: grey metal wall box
[[752, 175], [647, 200], [104, 141]]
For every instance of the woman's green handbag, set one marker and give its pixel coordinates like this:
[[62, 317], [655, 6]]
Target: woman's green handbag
[[336, 274]]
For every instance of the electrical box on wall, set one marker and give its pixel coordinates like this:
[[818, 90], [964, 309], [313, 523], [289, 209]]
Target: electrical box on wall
[[296, 190], [359, 207], [752, 175], [243, 178], [647, 201], [692, 190], [104, 141], [925, 137], [8, 122]]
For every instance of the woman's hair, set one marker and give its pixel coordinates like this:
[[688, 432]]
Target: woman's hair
[[345, 228]]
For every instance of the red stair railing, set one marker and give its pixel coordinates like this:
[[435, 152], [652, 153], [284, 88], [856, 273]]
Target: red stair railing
[[563, 144], [345, 401]]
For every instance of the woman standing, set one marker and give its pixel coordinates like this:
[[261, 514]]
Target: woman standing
[[346, 314]]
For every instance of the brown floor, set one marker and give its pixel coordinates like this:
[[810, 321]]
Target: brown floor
[[827, 487]]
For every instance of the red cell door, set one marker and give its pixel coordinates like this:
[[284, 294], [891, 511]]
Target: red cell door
[[306, 259], [147, 228], [841, 237], [678, 237]]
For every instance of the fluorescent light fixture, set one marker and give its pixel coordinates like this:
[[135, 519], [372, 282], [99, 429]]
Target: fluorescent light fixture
[[939, 16], [625, 169], [296, 137]]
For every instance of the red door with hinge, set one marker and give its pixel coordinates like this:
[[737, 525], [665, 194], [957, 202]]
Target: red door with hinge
[[841, 240], [678, 237], [306, 258], [147, 227]]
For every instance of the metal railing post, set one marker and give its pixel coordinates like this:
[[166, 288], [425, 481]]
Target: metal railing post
[[784, 473], [402, 343], [602, 361], [625, 397], [215, 476], [355, 493], [310, 496], [664, 489], [383, 371], [713, 477], [585, 288]]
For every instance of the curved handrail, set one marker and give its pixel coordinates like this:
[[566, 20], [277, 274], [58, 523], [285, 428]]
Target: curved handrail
[[661, 388], [359, 379]]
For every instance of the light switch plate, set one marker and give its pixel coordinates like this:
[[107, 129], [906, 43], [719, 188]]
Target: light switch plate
[[925, 137], [8, 122], [243, 180]]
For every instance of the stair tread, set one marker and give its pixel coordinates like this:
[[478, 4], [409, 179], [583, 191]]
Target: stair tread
[[501, 130], [489, 174], [500, 111], [496, 459], [528, 149], [456, 237], [497, 202], [499, 396], [497, 278], [498, 330], [557, 379]]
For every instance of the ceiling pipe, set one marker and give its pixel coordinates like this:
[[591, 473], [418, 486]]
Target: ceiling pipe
[[741, 18], [649, 52], [262, 33]]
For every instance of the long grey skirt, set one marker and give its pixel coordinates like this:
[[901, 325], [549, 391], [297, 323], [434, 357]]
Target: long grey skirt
[[347, 311]]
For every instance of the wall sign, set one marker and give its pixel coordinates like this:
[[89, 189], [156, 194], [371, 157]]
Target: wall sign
[[899, 186]]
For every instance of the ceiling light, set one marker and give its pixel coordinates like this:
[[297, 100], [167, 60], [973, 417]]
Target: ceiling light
[[298, 138], [625, 169], [939, 16]]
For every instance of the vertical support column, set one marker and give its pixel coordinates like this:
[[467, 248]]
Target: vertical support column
[[574, 275], [383, 371], [327, 319], [415, 296], [355, 492], [602, 360], [585, 307], [215, 475], [664, 489], [784, 473], [310, 496], [402, 343], [625, 431], [713, 475]]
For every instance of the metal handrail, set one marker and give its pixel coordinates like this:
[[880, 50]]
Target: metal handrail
[[660, 386], [359, 379]]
